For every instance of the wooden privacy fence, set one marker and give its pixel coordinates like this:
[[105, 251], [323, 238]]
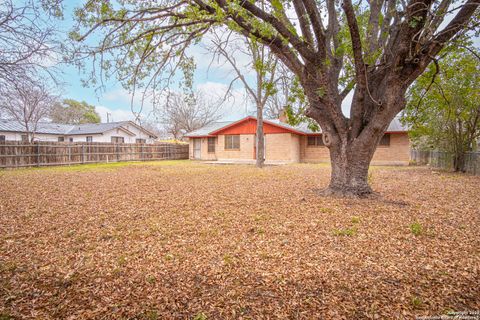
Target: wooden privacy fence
[[15, 154], [445, 160]]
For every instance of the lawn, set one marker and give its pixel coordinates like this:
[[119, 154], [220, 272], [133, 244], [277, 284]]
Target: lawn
[[188, 240]]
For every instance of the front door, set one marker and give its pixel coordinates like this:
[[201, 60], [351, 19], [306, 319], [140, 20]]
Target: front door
[[197, 148]]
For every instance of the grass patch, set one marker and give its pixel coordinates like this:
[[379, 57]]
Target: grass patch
[[102, 166], [5, 316], [417, 302], [349, 232], [200, 316], [416, 228]]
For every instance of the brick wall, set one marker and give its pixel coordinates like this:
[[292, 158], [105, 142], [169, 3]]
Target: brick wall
[[247, 141], [294, 148], [280, 147], [312, 153], [295, 152], [398, 153]]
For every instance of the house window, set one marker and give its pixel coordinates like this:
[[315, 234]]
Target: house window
[[211, 145], [385, 141], [117, 139], [24, 138], [2, 138], [315, 141], [232, 142], [140, 141], [70, 139], [61, 139], [89, 138]]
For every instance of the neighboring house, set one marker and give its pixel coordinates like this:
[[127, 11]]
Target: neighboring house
[[118, 132], [235, 141]]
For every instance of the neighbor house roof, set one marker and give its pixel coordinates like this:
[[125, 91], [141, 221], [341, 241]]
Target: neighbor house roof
[[97, 128], [42, 127], [216, 127], [206, 130], [68, 129]]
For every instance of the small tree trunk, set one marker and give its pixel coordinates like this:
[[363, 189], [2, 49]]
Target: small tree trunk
[[459, 162], [260, 139], [349, 170]]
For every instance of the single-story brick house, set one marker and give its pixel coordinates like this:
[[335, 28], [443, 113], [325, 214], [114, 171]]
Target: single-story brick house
[[235, 141]]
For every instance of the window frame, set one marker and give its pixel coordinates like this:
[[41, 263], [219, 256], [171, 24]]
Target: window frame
[[140, 140], [211, 142], [318, 142], [89, 140], [60, 139], [24, 137], [229, 142], [385, 140], [3, 138], [116, 138]]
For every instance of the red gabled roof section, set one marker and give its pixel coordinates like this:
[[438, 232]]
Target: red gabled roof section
[[248, 125]]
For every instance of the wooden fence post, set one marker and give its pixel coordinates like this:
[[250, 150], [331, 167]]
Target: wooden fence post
[[22, 154], [83, 153], [38, 154]]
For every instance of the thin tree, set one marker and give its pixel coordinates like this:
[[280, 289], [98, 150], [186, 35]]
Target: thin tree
[[182, 112], [27, 105], [28, 42], [377, 49], [264, 65]]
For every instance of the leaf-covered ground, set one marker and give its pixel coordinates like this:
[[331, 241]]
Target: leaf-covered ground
[[182, 240]]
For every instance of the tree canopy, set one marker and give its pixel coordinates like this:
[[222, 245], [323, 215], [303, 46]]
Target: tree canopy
[[444, 114], [70, 111]]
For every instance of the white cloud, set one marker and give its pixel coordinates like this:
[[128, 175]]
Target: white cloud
[[235, 105], [217, 66], [114, 114], [122, 99]]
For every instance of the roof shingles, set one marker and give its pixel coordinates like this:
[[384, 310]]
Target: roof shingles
[[64, 129], [395, 126]]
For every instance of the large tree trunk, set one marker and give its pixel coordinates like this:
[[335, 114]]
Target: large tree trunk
[[260, 139], [350, 169]]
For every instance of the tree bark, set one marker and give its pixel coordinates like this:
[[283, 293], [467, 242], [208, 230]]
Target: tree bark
[[260, 139], [459, 162], [350, 168], [352, 145]]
